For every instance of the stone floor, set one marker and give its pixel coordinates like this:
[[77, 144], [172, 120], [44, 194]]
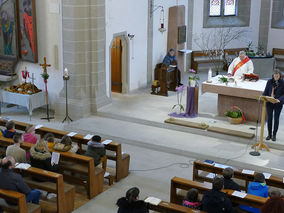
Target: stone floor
[[161, 151]]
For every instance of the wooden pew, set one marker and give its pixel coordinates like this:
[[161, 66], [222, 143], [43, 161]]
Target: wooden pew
[[201, 166], [52, 182], [83, 165], [167, 207], [181, 183], [200, 57], [122, 160], [20, 199], [279, 58]]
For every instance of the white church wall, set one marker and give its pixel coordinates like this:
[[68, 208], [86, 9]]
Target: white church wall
[[252, 29], [275, 36], [49, 36], [160, 39], [131, 17]]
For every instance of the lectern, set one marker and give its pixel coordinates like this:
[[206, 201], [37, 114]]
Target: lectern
[[260, 144]]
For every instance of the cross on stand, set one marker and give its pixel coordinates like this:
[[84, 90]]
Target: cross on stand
[[44, 66]]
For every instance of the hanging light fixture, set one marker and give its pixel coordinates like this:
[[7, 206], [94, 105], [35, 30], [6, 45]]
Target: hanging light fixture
[[162, 21]]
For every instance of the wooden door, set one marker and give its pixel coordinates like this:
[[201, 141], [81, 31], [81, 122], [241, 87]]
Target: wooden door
[[116, 83]]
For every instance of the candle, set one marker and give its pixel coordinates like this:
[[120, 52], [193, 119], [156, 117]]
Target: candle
[[66, 72]]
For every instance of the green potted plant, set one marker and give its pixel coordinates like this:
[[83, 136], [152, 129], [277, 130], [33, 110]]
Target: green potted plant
[[193, 79], [235, 115]]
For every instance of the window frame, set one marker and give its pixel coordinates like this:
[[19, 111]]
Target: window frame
[[222, 9]]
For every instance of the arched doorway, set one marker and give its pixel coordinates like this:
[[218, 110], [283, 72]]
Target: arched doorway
[[116, 66], [119, 63]]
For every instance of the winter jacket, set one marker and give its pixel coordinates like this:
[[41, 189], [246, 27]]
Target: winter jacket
[[258, 189], [216, 202], [65, 148], [95, 150], [193, 205], [230, 184], [9, 133], [42, 160], [134, 207], [30, 138]]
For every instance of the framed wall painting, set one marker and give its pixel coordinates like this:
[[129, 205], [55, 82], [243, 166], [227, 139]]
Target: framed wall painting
[[27, 32]]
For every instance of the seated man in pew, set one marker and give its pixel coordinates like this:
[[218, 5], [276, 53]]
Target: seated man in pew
[[96, 149], [259, 188], [41, 157], [216, 201], [15, 150], [228, 173], [13, 181], [131, 203], [169, 58]]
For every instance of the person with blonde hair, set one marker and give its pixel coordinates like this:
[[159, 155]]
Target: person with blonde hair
[[66, 145], [41, 157]]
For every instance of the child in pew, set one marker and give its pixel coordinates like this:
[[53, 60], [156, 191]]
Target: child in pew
[[66, 145], [96, 149], [228, 173], [29, 135], [49, 138], [131, 203], [275, 204], [259, 188], [191, 199], [10, 130], [41, 157]]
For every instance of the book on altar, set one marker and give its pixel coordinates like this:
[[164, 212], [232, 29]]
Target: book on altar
[[153, 201], [55, 158], [24, 166]]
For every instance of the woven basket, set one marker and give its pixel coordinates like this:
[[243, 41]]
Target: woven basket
[[236, 120]]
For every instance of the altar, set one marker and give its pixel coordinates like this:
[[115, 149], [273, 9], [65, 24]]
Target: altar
[[31, 102], [244, 95]]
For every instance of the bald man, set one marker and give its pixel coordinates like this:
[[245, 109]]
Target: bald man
[[15, 182]]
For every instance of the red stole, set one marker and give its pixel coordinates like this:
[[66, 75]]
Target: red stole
[[241, 63]]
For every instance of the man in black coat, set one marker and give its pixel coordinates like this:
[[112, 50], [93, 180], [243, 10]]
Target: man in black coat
[[215, 201], [228, 182], [14, 182], [274, 88]]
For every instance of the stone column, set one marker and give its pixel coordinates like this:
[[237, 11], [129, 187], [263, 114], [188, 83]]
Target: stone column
[[84, 56], [264, 23]]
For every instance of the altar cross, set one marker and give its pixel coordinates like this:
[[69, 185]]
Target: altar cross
[[45, 65]]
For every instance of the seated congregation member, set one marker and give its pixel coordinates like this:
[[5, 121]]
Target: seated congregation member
[[41, 157], [216, 201], [169, 58], [66, 145], [131, 203], [191, 199], [15, 150], [49, 138], [10, 130], [275, 204], [259, 188], [228, 173], [13, 181], [29, 135], [96, 149]]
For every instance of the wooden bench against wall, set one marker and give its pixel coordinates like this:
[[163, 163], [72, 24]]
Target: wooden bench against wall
[[20, 200], [82, 164], [181, 183], [122, 160], [200, 57], [201, 166], [279, 58]]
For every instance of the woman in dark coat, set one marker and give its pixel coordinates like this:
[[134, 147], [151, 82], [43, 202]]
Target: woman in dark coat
[[274, 88], [131, 204]]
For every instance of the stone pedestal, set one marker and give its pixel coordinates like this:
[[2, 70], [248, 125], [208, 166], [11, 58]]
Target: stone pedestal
[[84, 56]]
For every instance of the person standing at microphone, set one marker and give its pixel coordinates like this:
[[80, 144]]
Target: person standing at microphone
[[274, 88]]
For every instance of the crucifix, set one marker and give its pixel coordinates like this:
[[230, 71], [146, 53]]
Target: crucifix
[[45, 76]]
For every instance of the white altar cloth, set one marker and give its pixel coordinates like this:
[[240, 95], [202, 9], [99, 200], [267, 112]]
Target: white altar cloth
[[31, 102]]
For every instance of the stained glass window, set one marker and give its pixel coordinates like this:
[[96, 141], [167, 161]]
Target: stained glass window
[[230, 8], [222, 8], [215, 8]]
